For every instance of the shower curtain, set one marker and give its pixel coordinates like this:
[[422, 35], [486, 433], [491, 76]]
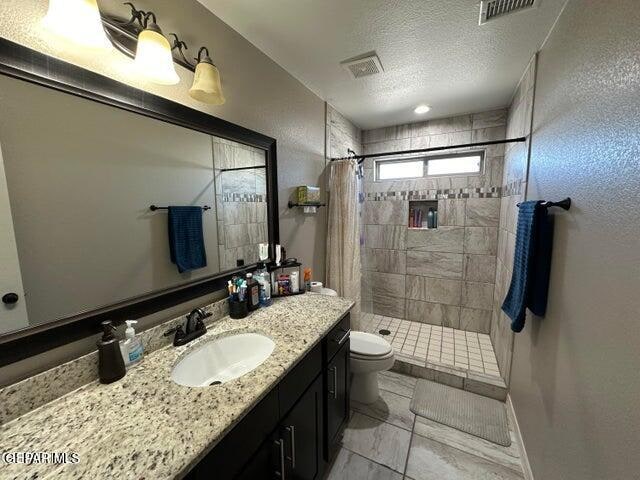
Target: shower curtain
[[343, 239]]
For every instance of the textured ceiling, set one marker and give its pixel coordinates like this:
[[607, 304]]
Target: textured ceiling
[[433, 52]]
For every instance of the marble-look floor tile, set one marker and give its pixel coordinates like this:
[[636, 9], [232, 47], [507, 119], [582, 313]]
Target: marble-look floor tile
[[351, 466], [376, 440], [397, 383], [431, 460], [505, 456], [390, 407]]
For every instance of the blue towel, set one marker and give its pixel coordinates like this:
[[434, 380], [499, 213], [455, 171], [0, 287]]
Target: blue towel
[[186, 240], [531, 265]]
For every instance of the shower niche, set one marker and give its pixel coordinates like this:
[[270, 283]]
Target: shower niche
[[423, 214]]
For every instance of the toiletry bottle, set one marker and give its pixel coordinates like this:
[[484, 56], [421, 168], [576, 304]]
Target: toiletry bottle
[[294, 278], [307, 279], [253, 292], [133, 350], [110, 362], [430, 218]]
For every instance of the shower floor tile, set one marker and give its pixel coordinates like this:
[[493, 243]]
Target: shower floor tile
[[455, 357], [434, 343]]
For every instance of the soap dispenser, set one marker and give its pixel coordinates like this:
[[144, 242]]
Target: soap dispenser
[[110, 362], [132, 349]]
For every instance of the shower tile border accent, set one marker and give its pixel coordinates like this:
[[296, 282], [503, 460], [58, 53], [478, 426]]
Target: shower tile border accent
[[244, 197], [436, 194]]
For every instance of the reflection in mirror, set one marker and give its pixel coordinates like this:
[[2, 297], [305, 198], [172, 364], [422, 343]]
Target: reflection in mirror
[[76, 231], [241, 199]]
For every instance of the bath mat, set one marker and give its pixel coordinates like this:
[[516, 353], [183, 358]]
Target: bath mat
[[471, 413]]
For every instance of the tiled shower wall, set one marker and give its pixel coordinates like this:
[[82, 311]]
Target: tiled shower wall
[[514, 181], [241, 201], [443, 276], [341, 134]]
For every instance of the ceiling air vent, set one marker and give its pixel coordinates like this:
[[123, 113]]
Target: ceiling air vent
[[363, 65], [492, 9]]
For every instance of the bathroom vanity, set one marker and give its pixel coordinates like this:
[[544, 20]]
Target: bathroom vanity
[[281, 420], [296, 428]]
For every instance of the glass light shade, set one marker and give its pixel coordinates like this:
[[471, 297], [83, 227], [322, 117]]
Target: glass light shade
[[154, 59], [78, 21], [206, 84]]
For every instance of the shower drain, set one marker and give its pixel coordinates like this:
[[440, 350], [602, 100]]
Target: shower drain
[[384, 331]]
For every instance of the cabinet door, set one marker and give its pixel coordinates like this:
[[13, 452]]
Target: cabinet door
[[301, 432], [338, 380], [267, 463]]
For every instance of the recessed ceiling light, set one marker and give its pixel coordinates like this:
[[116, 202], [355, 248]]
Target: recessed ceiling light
[[420, 109]]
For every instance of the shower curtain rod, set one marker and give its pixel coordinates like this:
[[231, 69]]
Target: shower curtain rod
[[361, 158]]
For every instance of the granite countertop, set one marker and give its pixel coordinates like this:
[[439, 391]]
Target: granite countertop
[[145, 425]]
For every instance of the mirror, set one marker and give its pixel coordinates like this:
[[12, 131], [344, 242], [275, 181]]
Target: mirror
[[76, 231]]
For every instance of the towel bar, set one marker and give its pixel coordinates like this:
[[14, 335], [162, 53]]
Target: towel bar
[[153, 208], [564, 204]]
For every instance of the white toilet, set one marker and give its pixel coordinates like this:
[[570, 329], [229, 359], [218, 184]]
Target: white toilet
[[369, 355]]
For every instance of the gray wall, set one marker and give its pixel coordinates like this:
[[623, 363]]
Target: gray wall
[[514, 182], [574, 379], [260, 96], [441, 276]]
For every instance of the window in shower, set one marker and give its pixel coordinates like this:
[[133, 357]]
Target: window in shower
[[467, 163]]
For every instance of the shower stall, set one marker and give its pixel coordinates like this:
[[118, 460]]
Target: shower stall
[[430, 217]]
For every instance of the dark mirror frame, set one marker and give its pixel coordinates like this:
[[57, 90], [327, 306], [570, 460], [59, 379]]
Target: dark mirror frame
[[32, 66]]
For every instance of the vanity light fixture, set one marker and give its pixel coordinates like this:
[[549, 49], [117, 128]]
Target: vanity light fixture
[[421, 109], [206, 82], [153, 53], [78, 21]]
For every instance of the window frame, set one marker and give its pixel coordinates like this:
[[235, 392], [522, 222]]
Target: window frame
[[425, 160]]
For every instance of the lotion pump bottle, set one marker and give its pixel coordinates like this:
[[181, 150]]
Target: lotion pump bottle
[[110, 362], [132, 349]]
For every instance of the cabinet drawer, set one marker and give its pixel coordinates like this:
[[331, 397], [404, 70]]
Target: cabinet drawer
[[298, 379], [337, 337]]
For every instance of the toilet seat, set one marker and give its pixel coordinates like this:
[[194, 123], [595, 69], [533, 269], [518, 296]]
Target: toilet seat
[[366, 346]]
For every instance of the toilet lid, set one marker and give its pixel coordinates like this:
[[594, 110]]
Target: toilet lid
[[368, 344]]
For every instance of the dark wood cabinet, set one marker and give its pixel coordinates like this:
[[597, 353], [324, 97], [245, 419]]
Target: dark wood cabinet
[[301, 432], [336, 399], [294, 430]]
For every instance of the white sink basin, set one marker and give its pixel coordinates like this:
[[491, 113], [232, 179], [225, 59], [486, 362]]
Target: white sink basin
[[222, 360]]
